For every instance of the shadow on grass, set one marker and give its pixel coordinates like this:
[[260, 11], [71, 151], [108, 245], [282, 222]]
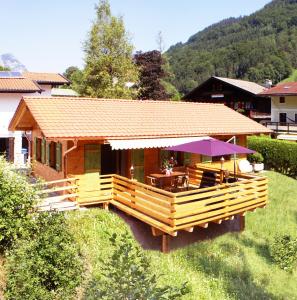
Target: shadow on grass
[[262, 249], [237, 278]]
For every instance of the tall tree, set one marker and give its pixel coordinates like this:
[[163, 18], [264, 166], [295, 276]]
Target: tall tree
[[109, 65], [76, 76], [151, 74]]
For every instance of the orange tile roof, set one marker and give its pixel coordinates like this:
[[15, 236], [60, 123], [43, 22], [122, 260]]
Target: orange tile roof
[[113, 119], [288, 88], [18, 84], [47, 78]]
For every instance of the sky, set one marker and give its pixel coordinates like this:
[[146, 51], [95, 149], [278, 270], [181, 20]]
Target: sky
[[48, 35]]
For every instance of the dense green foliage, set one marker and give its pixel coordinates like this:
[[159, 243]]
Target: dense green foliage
[[46, 265], [76, 76], [292, 77], [284, 252], [278, 155], [4, 68], [151, 72], [127, 274], [108, 57], [255, 158], [262, 45], [17, 199], [231, 266]]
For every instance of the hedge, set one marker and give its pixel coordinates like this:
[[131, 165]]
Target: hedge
[[278, 155]]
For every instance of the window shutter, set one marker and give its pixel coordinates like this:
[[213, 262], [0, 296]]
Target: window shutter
[[48, 153], [58, 157], [43, 150], [35, 148], [187, 159]]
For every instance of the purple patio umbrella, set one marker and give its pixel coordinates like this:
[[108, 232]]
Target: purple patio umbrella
[[211, 147]]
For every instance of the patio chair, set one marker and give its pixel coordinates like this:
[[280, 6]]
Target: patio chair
[[208, 179], [245, 166], [182, 182], [152, 181]]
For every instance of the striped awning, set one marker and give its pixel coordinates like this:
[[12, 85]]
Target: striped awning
[[152, 143]]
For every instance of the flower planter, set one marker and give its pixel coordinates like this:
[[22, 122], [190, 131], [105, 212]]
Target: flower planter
[[258, 167]]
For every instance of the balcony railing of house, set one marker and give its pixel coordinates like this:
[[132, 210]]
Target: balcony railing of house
[[168, 212], [282, 127]]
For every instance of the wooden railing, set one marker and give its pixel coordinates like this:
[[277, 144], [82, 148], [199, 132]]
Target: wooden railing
[[282, 127], [53, 192]]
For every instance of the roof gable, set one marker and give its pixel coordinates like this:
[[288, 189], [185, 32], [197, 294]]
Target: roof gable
[[18, 84], [111, 118], [47, 78], [288, 88]]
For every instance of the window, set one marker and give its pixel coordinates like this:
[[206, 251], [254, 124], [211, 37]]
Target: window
[[282, 100], [282, 117], [178, 156], [37, 149], [51, 154], [206, 159], [295, 118]]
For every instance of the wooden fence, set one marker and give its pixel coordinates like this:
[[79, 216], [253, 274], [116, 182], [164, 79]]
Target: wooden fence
[[55, 194]]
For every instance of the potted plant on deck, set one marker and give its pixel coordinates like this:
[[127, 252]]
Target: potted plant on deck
[[256, 159]]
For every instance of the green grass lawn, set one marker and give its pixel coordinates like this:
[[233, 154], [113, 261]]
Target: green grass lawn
[[232, 266], [291, 78]]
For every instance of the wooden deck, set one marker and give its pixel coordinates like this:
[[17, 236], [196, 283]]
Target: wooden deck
[[167, 212]]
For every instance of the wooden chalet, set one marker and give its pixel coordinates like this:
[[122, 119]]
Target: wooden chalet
[[240, 95], [102, 143]]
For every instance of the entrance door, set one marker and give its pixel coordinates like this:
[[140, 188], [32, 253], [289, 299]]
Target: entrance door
[[93, 158], [282, 117], [109, 160]]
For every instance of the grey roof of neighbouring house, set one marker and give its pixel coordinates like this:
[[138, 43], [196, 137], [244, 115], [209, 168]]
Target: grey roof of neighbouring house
[[248, 86], [64, 92]]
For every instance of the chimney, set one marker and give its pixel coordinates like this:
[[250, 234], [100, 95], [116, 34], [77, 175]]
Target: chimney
[[268, 83]]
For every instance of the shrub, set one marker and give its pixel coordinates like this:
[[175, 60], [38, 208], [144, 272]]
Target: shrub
[[256, 158], [47, 266], [278, 155], [127, 275], [17, 199], [284, 252]]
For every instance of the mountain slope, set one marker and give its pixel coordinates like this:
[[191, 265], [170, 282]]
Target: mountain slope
[[262, 45], [10, 61]]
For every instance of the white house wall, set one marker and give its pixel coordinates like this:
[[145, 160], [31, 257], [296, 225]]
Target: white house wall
[[8, 105], [289, 107]]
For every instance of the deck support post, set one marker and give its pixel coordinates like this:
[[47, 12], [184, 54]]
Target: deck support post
[[165, 243], [241, 222], [105, 205]]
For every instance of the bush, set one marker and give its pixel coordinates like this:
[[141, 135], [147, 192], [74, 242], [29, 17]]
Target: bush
[[46, 266], [127, 275], [17, 199], [284, 252], [256, 158], [278, 155]]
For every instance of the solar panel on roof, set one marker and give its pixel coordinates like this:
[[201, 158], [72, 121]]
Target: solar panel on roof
[[10, 74]]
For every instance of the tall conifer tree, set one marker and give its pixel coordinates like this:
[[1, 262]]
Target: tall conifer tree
[[109, 68]]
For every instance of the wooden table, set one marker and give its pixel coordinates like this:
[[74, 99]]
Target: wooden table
[[162, 177]]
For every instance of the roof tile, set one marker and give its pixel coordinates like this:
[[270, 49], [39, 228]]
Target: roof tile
[[111, 118]]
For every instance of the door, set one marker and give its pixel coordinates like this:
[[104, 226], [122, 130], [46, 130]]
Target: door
[[137, 160], [92, 158], [282, 117], [109, 160]]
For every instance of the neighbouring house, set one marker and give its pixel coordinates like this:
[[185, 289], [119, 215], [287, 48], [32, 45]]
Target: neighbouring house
[[59, 92], [240, 95], [114, 146], [47, 81], [13, 86], [283, 110]]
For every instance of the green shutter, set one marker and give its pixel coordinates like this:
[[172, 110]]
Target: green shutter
[[43, 150], [35, 148], [137, 161], [58, 157], [48, 153]]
